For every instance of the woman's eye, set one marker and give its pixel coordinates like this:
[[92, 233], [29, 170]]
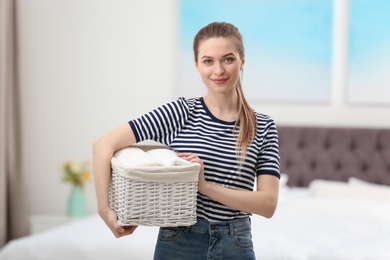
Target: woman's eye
[[229, 59], [207, 61]]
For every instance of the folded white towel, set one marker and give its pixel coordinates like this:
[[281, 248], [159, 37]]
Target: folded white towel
[[132, 156], [167, 157]]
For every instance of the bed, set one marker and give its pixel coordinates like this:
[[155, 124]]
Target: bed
[[334, 204]]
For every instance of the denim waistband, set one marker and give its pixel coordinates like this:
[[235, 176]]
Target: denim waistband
[[227, 227]]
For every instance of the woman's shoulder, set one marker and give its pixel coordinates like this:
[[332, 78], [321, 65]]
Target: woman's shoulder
[[264, 122], [190, 103], [262, 118]]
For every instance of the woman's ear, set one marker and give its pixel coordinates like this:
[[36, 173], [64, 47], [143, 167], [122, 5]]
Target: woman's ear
[[242, 61], [196, 64]]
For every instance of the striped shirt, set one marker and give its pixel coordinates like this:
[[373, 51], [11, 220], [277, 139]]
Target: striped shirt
[[187, 125]]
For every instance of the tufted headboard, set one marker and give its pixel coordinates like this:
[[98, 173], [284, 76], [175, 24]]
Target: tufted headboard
[[308, 153]]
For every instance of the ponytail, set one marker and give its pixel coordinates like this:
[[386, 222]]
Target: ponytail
[[247, 123]]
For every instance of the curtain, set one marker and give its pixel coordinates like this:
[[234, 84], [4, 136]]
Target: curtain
[[13, 211]]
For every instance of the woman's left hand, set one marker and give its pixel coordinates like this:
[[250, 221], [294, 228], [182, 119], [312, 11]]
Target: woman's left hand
[[195, 159]]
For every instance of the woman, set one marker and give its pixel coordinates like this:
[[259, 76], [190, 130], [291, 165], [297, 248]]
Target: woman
[[233, 144]]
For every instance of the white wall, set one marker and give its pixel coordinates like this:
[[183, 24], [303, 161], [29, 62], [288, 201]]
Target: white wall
[[87, 66]]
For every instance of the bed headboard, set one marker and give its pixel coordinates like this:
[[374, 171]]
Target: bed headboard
[[308, 153]]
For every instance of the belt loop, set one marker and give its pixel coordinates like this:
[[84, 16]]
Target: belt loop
[[186, 229], [231, 229]]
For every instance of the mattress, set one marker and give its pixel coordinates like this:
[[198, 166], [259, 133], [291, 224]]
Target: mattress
[[308, 224]]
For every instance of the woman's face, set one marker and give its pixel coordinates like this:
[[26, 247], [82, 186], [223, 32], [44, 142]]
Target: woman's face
[[219, 64]]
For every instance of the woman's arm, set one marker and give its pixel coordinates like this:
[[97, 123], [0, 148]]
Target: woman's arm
[[103, 150], [263, 201]]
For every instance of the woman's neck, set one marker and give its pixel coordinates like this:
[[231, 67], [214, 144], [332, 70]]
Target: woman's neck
[[224, 107]]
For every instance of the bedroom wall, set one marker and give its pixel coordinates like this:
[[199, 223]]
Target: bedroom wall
[[88, 66]]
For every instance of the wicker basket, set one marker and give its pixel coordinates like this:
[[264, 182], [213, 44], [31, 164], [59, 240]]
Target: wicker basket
[[162, 196]]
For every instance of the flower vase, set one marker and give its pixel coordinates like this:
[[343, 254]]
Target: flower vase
[[76, 202]]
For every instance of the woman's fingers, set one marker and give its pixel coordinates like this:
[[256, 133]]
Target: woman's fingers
[[190, 157], [186, 155], [111, 220], [195, 159], [123, 231], [129, 230]]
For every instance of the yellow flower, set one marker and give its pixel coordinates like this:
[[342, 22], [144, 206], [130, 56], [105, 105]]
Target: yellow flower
[[77, 173], [86, 176]]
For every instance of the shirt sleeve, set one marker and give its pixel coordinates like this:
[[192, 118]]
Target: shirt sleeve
[[161, 124], [269, 160]]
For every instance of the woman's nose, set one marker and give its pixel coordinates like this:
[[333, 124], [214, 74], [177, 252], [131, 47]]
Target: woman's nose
[[219, 70]]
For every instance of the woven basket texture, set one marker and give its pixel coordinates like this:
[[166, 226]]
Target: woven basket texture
[[148, 203], [153, 203]]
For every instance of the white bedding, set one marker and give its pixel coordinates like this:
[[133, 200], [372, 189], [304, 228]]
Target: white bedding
[[305, 226]]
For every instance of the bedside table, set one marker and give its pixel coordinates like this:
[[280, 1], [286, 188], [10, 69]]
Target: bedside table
[[40, 223]]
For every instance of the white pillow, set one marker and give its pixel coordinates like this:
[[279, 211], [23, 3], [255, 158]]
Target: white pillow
[[283, 180], [326, 188], [338, 189], [338, 209], [353, 181]]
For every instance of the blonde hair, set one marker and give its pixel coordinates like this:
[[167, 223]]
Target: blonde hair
[[247, 118]]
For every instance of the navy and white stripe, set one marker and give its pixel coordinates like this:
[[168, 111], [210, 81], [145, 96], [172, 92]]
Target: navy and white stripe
[[187, 125]]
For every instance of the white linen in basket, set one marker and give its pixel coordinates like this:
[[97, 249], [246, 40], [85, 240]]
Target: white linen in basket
[[167, 157], [133, 156]]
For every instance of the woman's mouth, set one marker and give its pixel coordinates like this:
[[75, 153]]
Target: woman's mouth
[[219, 81]]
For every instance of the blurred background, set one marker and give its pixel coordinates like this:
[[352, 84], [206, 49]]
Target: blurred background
[[85, 67]]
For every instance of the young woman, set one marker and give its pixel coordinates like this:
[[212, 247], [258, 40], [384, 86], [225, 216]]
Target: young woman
[[233, 144]]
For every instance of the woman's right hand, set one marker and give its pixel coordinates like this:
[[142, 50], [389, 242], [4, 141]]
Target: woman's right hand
[[110, 218]]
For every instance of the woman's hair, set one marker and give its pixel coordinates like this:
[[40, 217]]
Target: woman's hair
[[247, 117]]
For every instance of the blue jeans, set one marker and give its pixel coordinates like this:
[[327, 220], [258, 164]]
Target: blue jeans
[[206, 241]]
